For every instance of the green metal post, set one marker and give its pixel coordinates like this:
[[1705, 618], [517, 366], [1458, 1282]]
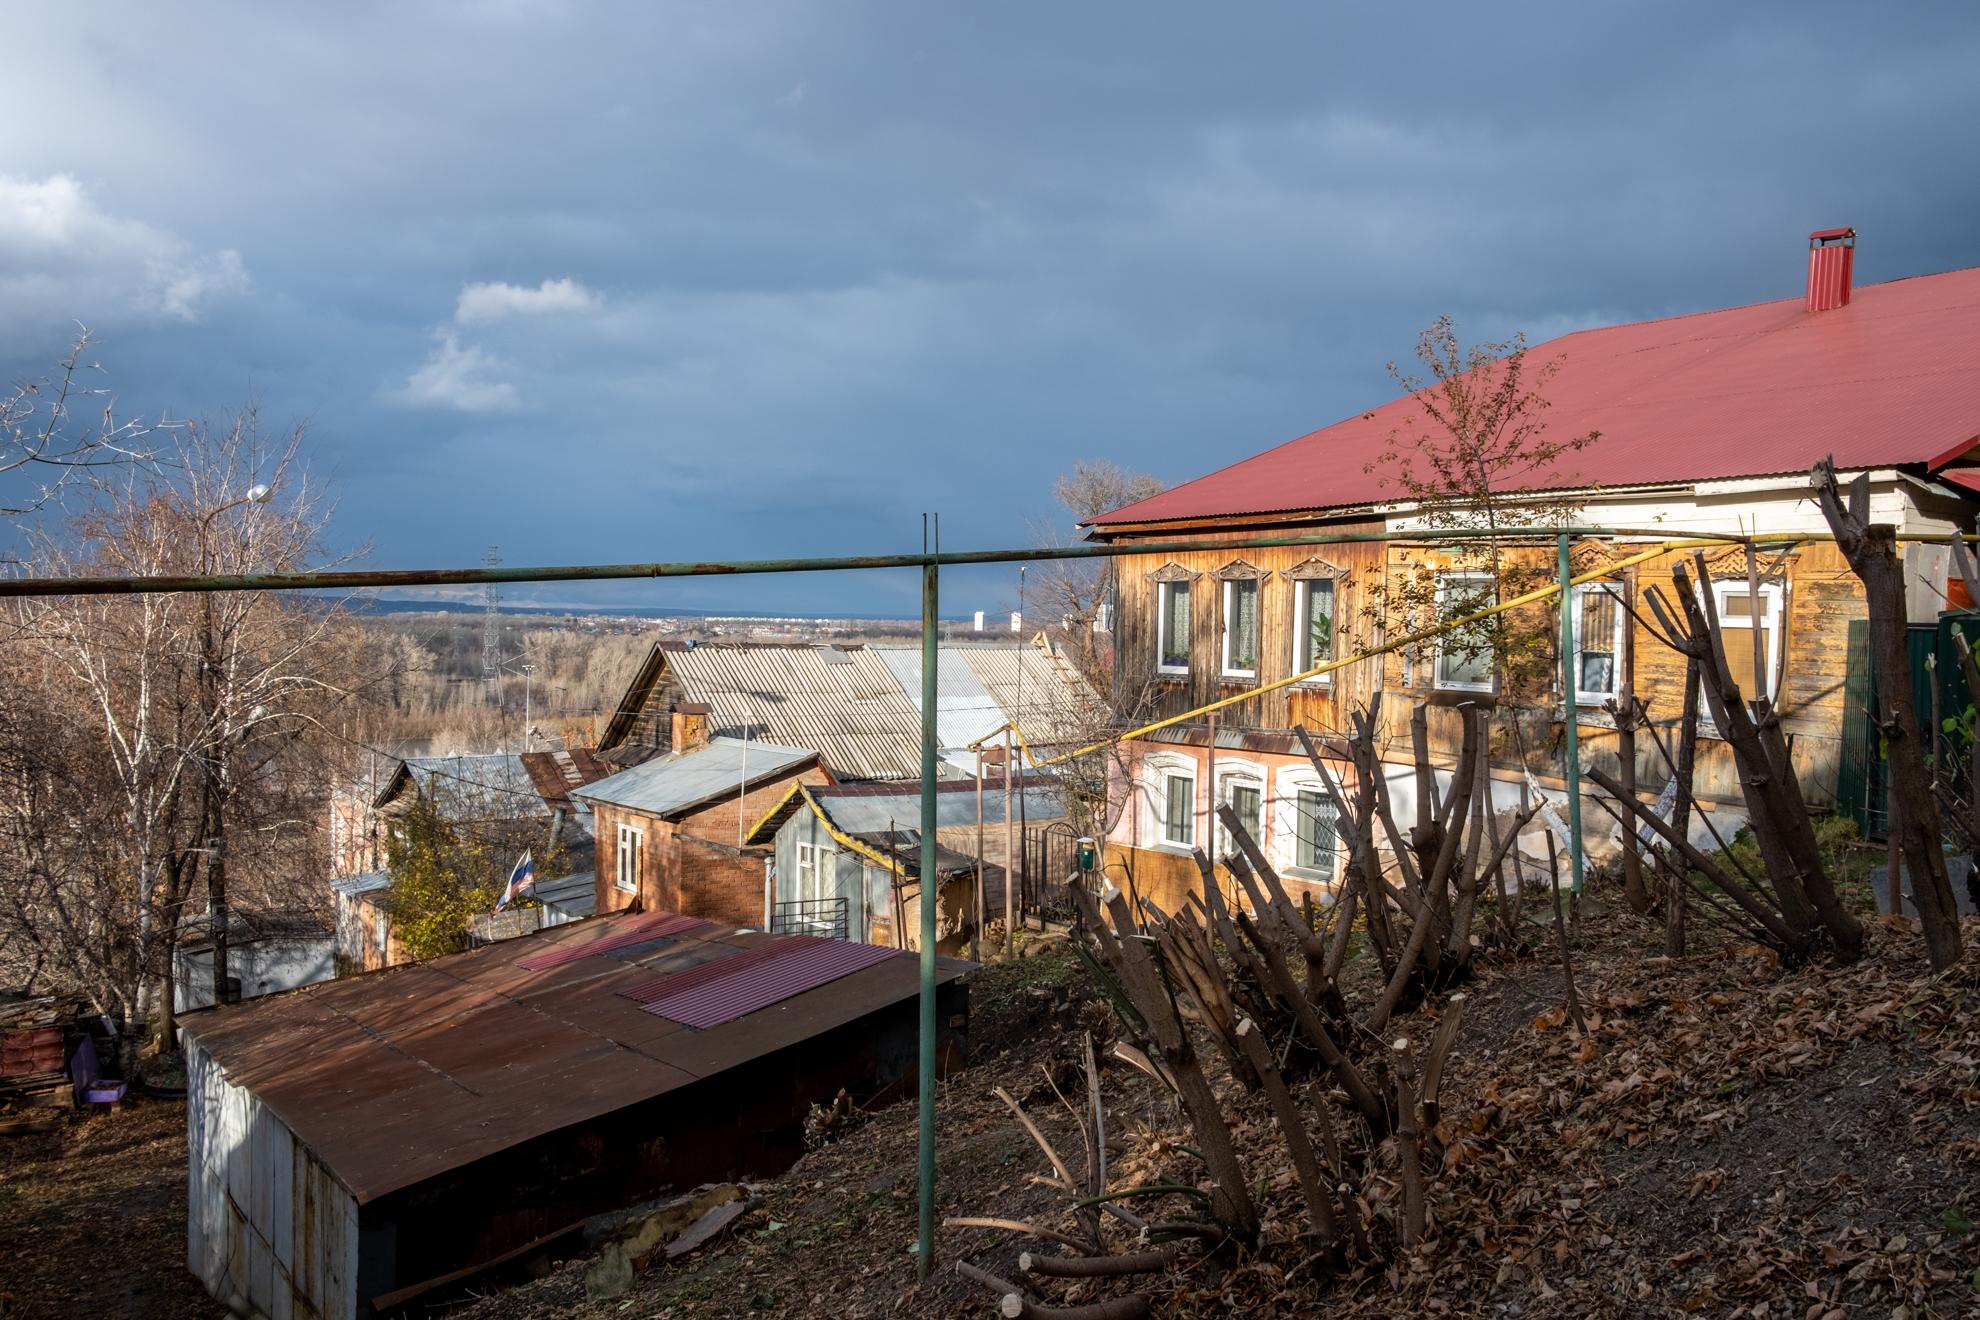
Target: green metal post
[[1571, 714], [930, 888]]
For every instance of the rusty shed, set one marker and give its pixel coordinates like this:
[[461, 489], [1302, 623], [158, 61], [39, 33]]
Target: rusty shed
[[358, 1145]]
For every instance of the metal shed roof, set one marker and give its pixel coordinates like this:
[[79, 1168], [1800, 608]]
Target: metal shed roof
[[397, 1076], [1892, 378], [678, 781]]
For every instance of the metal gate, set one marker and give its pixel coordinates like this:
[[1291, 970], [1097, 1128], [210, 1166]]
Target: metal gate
[[1051, 857]]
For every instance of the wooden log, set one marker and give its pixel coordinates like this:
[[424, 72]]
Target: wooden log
[[1409, 1158], [1315, 1189], [1019, 1226], [1096, 1267]]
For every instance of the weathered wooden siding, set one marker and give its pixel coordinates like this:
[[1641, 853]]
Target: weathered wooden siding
[[1821, 598], [1141, 691], [268, 1227]]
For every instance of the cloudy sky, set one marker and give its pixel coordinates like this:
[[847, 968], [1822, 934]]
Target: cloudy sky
[[656, 281]]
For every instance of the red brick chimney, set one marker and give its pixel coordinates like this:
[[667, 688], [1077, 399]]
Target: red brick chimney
[[1831, 266], [690, 726]]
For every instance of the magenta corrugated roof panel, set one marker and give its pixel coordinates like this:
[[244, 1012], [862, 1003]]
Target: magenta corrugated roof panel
[[687, 978], [652, 926], [1892, 378], [804, 963]]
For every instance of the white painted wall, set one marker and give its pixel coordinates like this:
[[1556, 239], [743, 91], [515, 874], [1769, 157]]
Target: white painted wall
[[264, 967], [268, 1230]]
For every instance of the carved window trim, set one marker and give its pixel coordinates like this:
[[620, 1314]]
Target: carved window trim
[[1240, 570]]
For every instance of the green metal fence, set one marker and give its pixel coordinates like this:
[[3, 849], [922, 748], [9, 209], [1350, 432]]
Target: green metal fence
[[1935, 672]]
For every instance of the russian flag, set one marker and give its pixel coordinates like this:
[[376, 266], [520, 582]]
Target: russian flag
[[519, 879]]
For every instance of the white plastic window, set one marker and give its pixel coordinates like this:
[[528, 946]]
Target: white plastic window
[[1241, 628], [1738, 617], [626, 876], [1464, 657], [1172, 627], [1599, 619], [1313, 625]]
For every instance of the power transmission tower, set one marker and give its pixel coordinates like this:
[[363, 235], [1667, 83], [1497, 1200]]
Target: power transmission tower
[[491, 631]]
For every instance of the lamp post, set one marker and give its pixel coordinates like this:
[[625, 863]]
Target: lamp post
[[218, 749]]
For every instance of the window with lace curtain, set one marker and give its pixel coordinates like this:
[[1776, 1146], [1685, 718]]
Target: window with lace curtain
[[1172, 627], [1241, 628]]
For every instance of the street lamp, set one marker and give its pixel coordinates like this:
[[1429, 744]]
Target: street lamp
[[217, 917]]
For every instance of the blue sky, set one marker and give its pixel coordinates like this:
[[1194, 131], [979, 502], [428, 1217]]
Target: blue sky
[[658, 281]]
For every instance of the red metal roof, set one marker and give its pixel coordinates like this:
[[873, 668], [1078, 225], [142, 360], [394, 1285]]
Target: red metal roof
[[1892, 378], [668, 983], [801, 963]]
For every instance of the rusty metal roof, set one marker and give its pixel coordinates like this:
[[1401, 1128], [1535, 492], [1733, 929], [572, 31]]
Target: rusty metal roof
[[397, 1076], [634, 930], [556, 774], [804, 962]]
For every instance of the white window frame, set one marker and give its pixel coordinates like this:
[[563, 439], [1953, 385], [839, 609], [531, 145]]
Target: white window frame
[[1740, 658], [626, 858], [1446, 581], [1230, 594], [1157, 772], [1291, 783], [807, 871], [1302, 595], [1242, 774], [1163, 592], [1589, 696]]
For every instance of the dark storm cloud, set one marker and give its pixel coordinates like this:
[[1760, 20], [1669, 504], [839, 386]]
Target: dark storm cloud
[[831, 265]]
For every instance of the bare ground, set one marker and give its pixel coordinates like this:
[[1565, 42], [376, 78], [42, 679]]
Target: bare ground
[[93, 1218]]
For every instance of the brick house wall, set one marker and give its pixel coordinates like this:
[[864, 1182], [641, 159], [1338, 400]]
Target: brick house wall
[[689, 863]]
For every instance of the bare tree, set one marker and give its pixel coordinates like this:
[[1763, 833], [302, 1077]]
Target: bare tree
[[1480, 460], [56, 429], [1072, 592], [195, 715]]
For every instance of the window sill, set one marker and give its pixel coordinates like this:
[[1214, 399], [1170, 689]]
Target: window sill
[[1164, 671], [1244, 678], [1309, 876]]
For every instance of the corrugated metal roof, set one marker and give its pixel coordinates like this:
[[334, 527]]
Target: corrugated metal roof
[[867, 813], [671, 983], [1892, 378], [680, 780], [964, 709], [395, 1077], [860, 707], [1045, 695], [801, 963], [854, 714]]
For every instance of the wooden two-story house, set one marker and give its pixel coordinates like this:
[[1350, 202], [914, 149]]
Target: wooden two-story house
[[1708, 424]]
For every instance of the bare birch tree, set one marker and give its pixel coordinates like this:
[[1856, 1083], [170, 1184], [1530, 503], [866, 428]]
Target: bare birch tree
[[195, 712]]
